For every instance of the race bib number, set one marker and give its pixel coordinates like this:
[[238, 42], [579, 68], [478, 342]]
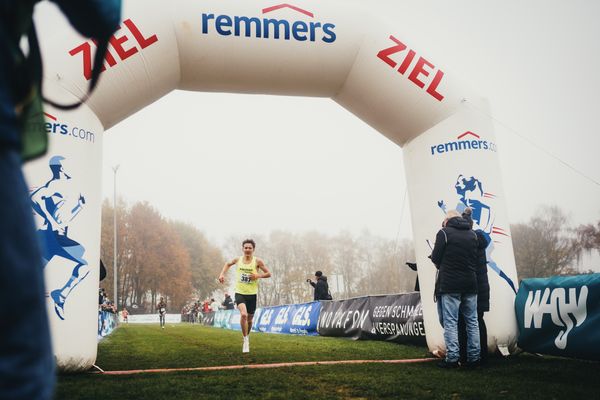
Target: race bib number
[[245, 278], [162, 310]]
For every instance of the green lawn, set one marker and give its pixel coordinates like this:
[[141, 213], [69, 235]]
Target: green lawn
[[145, 346]]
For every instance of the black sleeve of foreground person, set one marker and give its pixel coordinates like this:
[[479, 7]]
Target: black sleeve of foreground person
[[438, 249], [92, 18]]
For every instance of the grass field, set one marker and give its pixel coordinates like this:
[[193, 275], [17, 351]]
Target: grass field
[[180, 346]]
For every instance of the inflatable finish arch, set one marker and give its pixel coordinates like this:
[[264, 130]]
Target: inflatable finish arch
[[305, 48]]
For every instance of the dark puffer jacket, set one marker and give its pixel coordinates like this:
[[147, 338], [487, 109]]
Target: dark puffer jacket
[[321, 288], [455, 255]]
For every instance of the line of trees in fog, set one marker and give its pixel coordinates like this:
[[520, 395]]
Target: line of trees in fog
[[355, 265], [548, 244], [160, 257], [156, 257]]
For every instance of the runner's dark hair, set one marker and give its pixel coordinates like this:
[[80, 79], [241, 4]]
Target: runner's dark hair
[[249, 241]]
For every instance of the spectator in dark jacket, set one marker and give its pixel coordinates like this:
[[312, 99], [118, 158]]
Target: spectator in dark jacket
[[228, 302], [321, 286], [483, 295], [455, 256]]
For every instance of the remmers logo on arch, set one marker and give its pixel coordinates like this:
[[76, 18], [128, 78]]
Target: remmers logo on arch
[[468, 141], [53, 125], [268, 27]]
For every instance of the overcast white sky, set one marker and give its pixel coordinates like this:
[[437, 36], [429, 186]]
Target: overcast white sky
[[315, 166]]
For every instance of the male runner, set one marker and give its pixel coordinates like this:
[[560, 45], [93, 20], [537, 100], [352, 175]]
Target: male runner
[[161, 307], [246, 286]]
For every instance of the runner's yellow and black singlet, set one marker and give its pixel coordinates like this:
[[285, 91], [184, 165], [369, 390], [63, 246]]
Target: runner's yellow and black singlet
[[243, 284]]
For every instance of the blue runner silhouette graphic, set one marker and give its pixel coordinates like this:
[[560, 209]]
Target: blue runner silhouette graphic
[[471, 194], [53, 203]]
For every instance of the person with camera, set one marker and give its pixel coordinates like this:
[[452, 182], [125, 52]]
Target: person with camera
[[321, 287]]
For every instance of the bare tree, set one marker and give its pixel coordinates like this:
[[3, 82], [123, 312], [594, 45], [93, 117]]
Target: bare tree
[[545, 246], [588, 238], [345, 257], [386, 272]]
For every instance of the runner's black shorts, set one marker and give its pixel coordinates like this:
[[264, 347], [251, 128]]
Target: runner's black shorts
[[248, 299]]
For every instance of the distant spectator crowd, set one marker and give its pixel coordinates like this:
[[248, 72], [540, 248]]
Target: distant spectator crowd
[[195, 311]]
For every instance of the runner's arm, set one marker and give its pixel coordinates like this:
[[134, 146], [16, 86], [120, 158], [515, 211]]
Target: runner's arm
[[261, 265], [226, 268]]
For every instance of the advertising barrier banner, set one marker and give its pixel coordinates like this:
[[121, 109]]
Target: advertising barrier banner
[[234, 320], [107, 323], [397, 318], [343, 318], [221, 319], [227, 319], [296, 319], [208, 318], [560, 316]]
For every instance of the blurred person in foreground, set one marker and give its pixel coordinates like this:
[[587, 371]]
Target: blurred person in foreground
[[455, 256], [26, 359], [246, 286]]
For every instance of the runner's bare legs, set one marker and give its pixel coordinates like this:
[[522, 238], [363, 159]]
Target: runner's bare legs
[[250, 317], [244, 319]]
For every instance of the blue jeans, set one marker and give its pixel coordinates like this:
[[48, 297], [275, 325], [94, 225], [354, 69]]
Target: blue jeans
[[450, 305], [26, 360]]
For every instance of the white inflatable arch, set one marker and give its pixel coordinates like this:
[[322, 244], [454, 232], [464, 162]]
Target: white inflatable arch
[[304, 48]]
